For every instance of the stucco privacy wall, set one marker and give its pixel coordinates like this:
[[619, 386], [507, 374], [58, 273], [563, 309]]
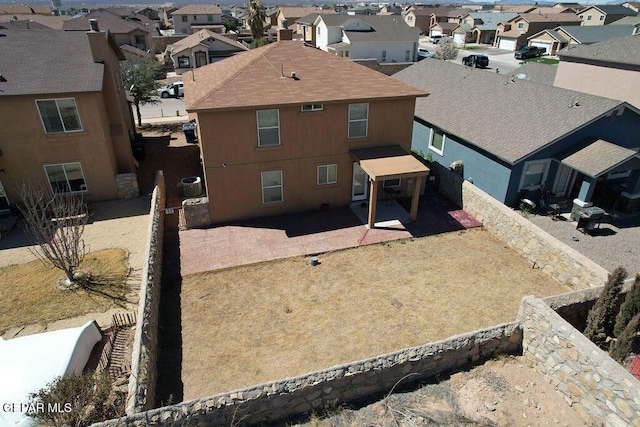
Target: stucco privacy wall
[[596, 386], [562, 262], [142, 383], [284, 399]]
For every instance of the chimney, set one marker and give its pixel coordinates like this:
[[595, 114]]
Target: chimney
[[285, 34], [93, 25]]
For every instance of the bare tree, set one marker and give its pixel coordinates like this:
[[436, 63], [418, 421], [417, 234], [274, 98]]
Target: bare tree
[[447, 49], [56, 224]]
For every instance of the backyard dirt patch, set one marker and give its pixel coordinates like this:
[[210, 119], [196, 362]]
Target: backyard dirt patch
[[251, 324], [501, 392]]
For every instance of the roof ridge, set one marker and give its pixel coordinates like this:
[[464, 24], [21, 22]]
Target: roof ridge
[[263, 49]]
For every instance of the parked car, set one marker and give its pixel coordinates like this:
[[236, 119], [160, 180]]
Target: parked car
[[436, 39], [529, 52], [424, 53], [175, 90], [476, 61]]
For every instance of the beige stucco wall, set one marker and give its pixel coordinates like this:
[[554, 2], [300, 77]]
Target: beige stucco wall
[[603, 81], [26, 148], [233, 161], [595, 17]]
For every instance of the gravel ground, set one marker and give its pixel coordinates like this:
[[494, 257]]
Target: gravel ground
[[614, 244]]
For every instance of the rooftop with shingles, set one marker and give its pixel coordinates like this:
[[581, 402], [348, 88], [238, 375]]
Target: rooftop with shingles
[[262, 77]]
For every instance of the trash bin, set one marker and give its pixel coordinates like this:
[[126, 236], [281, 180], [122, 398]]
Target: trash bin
[[189, 130], [139, 150]]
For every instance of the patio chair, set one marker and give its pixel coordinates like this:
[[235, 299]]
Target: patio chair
[[556, 207]]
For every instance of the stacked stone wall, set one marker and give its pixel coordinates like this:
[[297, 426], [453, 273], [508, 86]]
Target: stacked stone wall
[[600, 390], [354, 382], [142, 383], [127, 185]]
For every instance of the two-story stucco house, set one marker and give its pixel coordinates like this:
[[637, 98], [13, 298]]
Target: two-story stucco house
[[513, 34], [202, 48], [385, 38], [603, 14], [287, 128], [194, 17], [66, 125]]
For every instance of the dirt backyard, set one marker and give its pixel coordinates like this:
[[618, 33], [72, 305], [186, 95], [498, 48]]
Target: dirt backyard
[[251, 324]]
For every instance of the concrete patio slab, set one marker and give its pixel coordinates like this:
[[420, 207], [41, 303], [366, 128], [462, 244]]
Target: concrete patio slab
[[315, 232]]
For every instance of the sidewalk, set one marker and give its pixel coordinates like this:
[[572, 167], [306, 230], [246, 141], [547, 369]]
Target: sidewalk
[[170, 119]]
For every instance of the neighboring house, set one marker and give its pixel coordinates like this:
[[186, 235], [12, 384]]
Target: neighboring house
[[573, 144], [123, 31], [307, 28], [65, 124], [480, 27], [424, 18], [362, 10], [633, 5], [610, 68], [561, 37], [604, 14], [202, 48], [202, 16], [284, 128], [50, 21], [24, 9], [513, 34], [514, 8], [150, 13], [444, 29], [288, 15], [634, 21], [167, 16], [385, 38]]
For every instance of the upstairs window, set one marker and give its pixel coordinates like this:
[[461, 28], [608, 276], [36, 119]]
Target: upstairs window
[[185, 18], [183, 62], [589, 17], [59, 115], [312, 107], [210, 18], [601, 17], [520, 25], [268, 128], [358, 120]]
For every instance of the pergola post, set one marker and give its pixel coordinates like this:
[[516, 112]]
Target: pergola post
[[373, 199], [415, 199]]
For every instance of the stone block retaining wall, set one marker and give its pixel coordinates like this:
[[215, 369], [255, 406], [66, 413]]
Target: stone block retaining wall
[[596, 386], [354, 382], [142, 383], [563, 263]]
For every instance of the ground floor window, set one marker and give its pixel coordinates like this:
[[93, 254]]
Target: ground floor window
[[436, 142], [327, 174], [271, 187], [66, 178], [534, 174]]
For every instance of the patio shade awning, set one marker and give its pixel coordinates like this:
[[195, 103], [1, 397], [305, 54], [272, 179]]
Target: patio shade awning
[[389, 162], [600, 157]]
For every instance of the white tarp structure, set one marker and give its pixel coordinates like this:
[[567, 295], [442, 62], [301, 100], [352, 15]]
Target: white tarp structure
[[29, 363]]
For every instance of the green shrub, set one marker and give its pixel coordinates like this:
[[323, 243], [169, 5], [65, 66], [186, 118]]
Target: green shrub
[[602, 315], [624, 344], [629, 308], [76, 400]]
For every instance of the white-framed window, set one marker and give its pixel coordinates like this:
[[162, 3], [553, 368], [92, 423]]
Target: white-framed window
[[271, 187], [436, 141], [409, 18], [601, 17], [589, 17], [384, 56], [520, 25], [358, 120], [619, 174], [312, 107], [66, 178], [534, 174], [318, 30], [581, 16], [59, 115], [391, 183], [327, 174], [268, 127]]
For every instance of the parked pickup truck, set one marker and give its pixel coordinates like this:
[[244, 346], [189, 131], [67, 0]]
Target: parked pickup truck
[[529, 52]]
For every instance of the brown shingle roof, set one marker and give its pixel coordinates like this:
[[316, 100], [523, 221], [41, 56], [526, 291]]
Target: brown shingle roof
[[299, 12], [549, 17], [598, 158], [29, 9], [113, 23], [428, 11], [46, 73], [199, 9], [254, 78], [623, 50], [54, 22]]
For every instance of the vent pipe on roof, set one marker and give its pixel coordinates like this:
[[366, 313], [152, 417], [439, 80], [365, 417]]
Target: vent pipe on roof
[[93, 25]]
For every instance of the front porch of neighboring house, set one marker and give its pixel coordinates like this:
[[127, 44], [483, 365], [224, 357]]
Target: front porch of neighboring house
[[380, 171]]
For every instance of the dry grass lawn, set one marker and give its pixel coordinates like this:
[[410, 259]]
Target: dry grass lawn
[[28, 293], [251, 324]]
